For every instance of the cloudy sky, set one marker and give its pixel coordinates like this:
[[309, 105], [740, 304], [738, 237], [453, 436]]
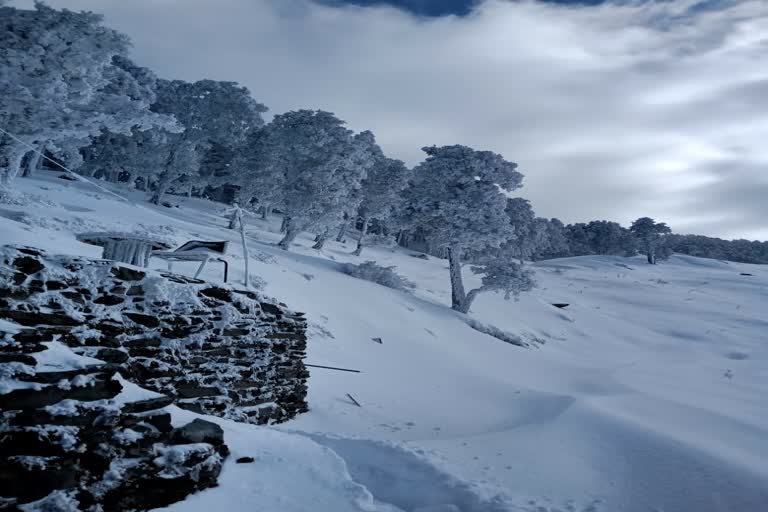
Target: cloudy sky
[[612, 110]]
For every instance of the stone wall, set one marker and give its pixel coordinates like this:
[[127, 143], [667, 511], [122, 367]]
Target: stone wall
[[82, 330]]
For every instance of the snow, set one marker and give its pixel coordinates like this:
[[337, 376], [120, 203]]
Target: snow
[[58, 357], [646, 393]]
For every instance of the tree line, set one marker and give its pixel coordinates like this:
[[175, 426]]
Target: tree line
[[69, 91]]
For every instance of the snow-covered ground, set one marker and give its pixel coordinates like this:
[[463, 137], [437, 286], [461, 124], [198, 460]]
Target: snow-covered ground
[[649, 392]]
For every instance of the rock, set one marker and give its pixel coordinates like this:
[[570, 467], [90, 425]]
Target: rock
[[27, 483], [561, 305], [17, 358], [109, 300], [28, 265], [217, 293], [67, 177], [198, 431], [145, 320], [148, 404], [128, 274], [245, 460], [28, 318], [112, 355]]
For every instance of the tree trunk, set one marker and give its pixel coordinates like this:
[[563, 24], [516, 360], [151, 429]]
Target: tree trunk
[[160, 189], [359, 248], [11, 153], [651, 257], [265, 211], [233, 219], [320, 240], [284, 225], [291, 232], [342, 232], [458, 295], [33, 161]]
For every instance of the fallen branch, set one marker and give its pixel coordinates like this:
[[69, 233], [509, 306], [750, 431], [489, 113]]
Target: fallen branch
[[353, 400], [332, 368]]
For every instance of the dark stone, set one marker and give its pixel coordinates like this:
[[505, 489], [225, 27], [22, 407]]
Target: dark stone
[[28, 265], [745, 274], [112, 355], [66, 177], [561, 305], [110, 327], [145, 320], [143, 343], [236, 332], [245, 460], [31, 484], [198, 431], [20, 399], [135, 289], [55, 285], [128, 274], [271, 308], [29, 318], [192, 391], [149, 404], [17, 358], [217, 293], [28, 442], [109, 300]]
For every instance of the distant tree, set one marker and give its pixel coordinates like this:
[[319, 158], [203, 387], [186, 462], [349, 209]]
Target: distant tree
[[211, 112], [502, 275], [457, 198], [63, 76], [364, 153], [651, 237], [317, 160], [381, 193], [557, 242], [255, 170]]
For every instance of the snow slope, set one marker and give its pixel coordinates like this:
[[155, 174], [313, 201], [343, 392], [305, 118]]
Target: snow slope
[[647, 393]]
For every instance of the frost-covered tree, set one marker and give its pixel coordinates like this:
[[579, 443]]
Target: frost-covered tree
[[321, 165], [63, 76], [140, 156], [381, 193], [557, 242], [502, 275], [530, 232], [254, 170], [651, 237], [457, 197], [210, 112]]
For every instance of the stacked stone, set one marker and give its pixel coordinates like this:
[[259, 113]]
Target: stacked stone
[[66, 444], [217, 350], [65, 436]]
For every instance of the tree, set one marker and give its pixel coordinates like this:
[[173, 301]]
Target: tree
[[651, 238], [254, 170], [138, 155], [503, 274], [319, 163], [530, 232], [557, 241], [211, 112], [63, 76], [457, 197], [380, 193]]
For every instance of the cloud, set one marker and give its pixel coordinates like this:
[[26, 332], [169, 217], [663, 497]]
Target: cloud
[[611, 111]]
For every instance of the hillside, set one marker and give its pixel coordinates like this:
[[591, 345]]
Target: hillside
[[646, 393]]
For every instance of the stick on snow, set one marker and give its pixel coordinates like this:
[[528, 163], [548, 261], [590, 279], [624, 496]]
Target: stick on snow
[[332, 368], [353, 400]]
